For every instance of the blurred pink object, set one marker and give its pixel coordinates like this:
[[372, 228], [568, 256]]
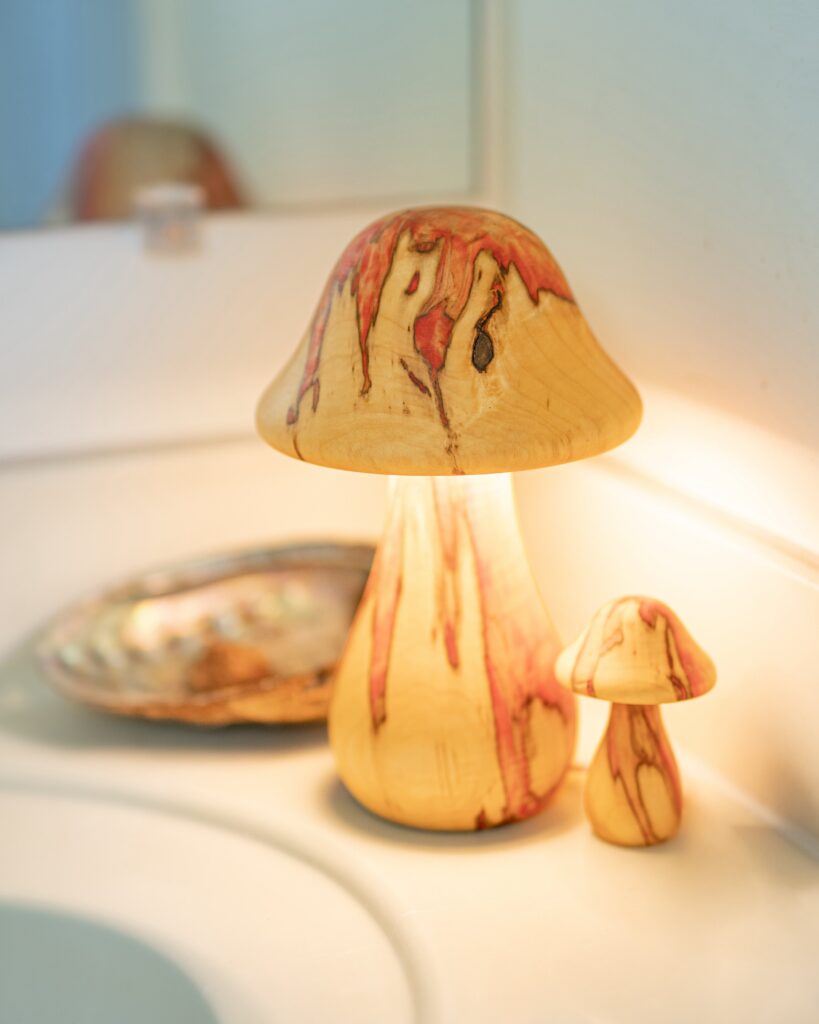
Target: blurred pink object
[[123, 157]]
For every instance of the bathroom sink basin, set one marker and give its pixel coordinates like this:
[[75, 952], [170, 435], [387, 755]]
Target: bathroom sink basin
[[57, 967], [118, 911]]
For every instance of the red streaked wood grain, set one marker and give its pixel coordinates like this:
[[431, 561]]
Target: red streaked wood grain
[[459, 234], [636, 650], [446, 712], [633, 793]]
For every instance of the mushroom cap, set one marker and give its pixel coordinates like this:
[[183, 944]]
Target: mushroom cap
[[636, 651], [446, 341]]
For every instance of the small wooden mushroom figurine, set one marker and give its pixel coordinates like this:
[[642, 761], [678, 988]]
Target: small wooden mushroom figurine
[[447, 343], [636, 654]]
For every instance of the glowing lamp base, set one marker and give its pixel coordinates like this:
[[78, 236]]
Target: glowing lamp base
[[445, 711]]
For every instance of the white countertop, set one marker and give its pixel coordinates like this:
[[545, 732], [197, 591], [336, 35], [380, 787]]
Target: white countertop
[[532, 922], [535, 922]]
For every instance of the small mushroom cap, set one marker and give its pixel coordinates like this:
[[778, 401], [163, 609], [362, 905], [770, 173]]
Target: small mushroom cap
[[636, 651], [446, 341]]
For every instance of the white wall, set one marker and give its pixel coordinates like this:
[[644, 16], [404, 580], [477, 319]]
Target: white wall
[[103, 344], [321, 101], [669, 153]]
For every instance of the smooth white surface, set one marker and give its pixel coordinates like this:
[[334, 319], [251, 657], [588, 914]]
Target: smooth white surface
[[533, 922], [667, 153], [104, 345], [260, 932], [67, 528], [766, 483], [321, 102]]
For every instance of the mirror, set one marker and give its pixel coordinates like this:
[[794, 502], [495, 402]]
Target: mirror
[[252, 103]]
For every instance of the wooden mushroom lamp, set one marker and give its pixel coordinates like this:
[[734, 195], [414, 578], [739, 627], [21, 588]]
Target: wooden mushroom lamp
[[447, 344], [636, 654]]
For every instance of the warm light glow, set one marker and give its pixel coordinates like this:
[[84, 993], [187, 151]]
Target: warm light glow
[[768, 481], [445, 712]]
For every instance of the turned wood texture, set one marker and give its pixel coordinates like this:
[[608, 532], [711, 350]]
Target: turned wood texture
[[447, 341], [633, 795], [445, 712], [636, 651], [637, 654]]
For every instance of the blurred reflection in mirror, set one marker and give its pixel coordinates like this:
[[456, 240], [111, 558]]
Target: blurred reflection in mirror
[[263, 104], [124, 157]]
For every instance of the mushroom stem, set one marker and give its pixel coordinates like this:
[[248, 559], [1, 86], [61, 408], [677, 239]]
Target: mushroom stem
[[445, 711], [633, 795]]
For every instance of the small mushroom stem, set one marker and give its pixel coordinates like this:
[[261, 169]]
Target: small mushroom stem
[[445, 711], [633, 795]]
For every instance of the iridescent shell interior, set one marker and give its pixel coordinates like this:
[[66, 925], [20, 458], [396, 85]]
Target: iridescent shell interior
[[247, 637]]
